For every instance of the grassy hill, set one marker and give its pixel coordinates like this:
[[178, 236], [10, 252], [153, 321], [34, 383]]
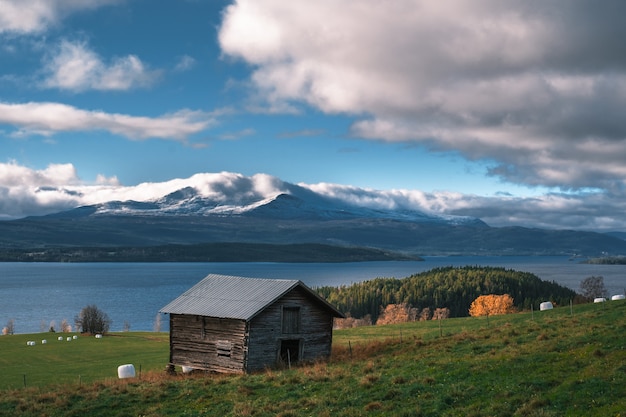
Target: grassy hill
[[562, 362]]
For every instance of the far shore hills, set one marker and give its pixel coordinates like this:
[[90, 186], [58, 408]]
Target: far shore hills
[[209, 252]]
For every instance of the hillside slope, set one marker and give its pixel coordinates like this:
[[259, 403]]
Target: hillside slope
[[548, 364]]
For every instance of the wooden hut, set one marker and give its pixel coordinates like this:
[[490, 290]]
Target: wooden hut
[[240, 325]]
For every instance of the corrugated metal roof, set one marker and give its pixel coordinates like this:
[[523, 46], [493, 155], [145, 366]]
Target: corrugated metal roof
[[233, 297]]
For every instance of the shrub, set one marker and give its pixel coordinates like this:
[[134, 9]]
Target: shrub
[[92, 320], [490, 305]]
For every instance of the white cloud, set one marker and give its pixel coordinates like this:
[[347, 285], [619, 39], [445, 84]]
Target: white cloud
[[185, 63], [237, 135], [535, 86], [25, 191], [49, 118], [73, 66], [36, 16], [13, 174]]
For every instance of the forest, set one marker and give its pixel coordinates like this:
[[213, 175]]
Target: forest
[[452, 288], [203, 252]]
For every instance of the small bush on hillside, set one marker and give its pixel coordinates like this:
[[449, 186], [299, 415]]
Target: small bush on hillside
[[92, 320], [9, 328], [491, 305], [593, 287], [350, 322], [397, 313]]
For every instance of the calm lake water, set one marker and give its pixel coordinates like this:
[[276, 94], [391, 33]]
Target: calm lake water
[[35, 294]]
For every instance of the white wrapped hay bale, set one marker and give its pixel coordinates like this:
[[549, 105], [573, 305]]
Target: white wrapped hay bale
[[599, 300], [74, 337], [126, 371], [60, 338], [98, 336], [618, 297], [546, 305], [69, 339], [44, 341], [30, 343]]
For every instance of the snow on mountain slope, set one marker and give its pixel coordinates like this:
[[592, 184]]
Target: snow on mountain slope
[[295, 202]]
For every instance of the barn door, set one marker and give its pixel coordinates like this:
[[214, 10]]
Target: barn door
[[290, 350]]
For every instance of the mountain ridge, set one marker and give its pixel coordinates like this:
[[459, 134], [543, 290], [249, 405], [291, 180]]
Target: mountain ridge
[[293, 215]]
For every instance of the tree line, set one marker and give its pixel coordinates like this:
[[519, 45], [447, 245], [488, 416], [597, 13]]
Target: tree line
[[452, 288], [203, 252]]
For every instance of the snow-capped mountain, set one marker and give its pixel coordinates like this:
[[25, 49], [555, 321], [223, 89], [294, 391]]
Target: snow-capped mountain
[[296, 203], [232, 208]]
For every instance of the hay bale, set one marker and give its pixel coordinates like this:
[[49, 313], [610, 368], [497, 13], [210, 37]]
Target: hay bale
[[546, 305], [618, 297], [60, 338], [126, 371], [44, 341], [599, 300], [98, 336]]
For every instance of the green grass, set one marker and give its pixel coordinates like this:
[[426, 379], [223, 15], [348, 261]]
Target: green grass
[[83, 360], [552, 363]]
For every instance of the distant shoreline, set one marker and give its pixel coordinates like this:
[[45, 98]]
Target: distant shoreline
[[607, 260], [209, 252]]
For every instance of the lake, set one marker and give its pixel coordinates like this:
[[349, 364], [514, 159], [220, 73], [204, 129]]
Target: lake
[[36, 294]]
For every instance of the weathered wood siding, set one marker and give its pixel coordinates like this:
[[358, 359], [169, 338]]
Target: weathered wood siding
[[208, 343], [265, 331]]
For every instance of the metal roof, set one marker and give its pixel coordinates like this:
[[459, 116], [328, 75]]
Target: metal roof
[[235, 297]]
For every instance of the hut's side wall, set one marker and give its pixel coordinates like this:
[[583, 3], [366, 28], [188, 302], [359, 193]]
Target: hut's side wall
[[266, 333], [208, 343]]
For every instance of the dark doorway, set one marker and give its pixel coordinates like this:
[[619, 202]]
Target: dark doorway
[[290, 351]]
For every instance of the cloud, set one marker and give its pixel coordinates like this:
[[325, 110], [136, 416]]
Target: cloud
[[185, 63], [35, 16], [302, 133], [237, 135], [595, 211], [73, 66], [25, 191], [49, 118], [12, 175], [535, 87]]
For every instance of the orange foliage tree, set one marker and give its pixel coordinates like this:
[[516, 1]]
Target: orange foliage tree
[[490, 305], [396, 313]]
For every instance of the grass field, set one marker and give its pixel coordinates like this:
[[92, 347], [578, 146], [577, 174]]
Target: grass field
[[84, 359], [555, 363]]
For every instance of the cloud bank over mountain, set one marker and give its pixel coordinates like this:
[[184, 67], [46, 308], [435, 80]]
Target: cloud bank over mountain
[[537, 88], [28, 192]]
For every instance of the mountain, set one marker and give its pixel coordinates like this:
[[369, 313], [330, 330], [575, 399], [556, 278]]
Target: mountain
[[295, 215], [298, 203]]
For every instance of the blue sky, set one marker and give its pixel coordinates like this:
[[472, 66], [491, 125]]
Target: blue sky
[[508, 112]]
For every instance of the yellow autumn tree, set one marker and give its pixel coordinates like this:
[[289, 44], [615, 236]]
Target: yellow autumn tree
[[394, 313], [490, 305]]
